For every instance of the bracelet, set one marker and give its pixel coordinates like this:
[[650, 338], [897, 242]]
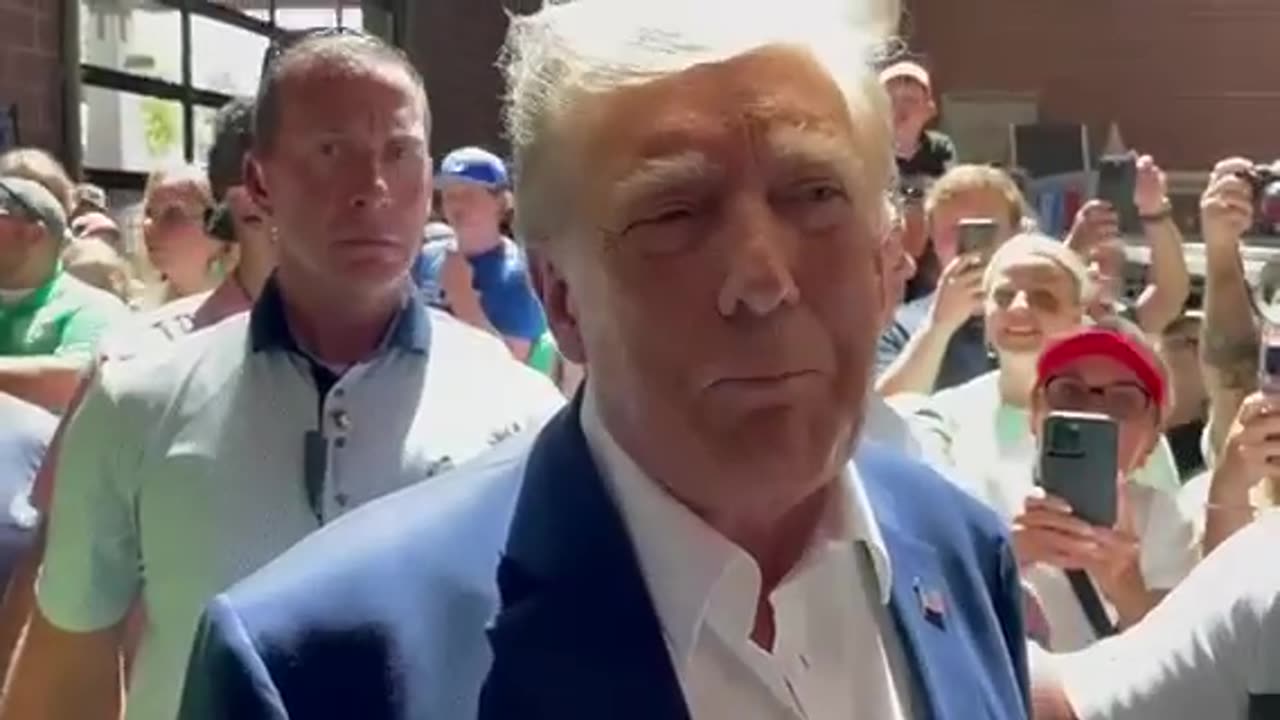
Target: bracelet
[[1165, 213]]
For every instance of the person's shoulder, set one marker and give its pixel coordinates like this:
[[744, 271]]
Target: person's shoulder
[[478, 362], [143, 332], [940, 145], [920, 499], [980, 392], [425, 547], [907, 319], [158, 371], [83, 297]]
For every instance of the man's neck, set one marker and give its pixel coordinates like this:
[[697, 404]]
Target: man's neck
[[254, 267], [30, 276], [338, 330], [183, 284], [1017, 378], [906, 146]]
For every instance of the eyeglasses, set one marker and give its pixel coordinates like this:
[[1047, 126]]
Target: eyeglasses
[[287, 39], [175, 214], [1122, 401]]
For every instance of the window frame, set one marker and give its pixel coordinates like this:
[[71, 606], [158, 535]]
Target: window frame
[[184, 91]]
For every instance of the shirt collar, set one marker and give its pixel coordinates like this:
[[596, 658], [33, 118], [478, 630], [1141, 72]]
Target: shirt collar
[[687, 564], [410, 330]]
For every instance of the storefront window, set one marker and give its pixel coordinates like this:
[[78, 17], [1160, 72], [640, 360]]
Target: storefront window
[[138, 108], [225, 58], [126, 131], [139, 38]]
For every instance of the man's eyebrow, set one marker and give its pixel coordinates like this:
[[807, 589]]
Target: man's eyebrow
[[658, 173], [799, 146]]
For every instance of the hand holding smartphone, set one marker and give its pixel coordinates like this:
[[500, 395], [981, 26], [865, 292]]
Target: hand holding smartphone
[[1117, 183], [977, 237], [1079, 463]]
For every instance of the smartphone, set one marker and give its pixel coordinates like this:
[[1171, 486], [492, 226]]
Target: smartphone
[[1117, 180], [1079, 462], [977, 236], [1269, 358]]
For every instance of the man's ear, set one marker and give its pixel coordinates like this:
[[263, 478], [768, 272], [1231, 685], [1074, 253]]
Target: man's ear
[[255, 183], [558, 303], [933, 110]]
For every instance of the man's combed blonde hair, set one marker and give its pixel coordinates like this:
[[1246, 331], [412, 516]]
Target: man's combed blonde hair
[[578, 48]]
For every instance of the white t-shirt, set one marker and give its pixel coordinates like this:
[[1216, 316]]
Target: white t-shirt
[[989, 445], [1210, 651]]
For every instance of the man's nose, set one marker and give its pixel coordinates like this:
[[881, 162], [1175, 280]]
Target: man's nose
[[761, 253], [1020, 301], [367, 181]]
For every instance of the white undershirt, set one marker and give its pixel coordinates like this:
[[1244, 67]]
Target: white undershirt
[[829, 660]]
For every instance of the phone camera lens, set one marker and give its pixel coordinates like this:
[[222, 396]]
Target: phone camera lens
[[1066, 438]]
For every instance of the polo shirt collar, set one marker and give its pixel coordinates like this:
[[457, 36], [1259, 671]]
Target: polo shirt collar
[[269, 326]]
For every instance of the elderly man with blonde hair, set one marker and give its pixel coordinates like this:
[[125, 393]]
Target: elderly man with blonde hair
[[703, 202]]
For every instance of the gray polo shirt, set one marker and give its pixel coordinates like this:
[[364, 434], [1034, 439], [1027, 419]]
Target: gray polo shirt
[[1210, 651], [187, 468]]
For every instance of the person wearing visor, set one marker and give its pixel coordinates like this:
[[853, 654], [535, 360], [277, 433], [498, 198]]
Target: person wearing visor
[[1091, 582], [919, 152], [50, 322], [491, 289]]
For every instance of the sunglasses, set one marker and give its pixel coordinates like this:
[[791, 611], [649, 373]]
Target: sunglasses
[[288, 39], [1121, 401]]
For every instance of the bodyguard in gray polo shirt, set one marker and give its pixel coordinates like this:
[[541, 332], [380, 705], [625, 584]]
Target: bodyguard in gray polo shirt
[[188, 468]]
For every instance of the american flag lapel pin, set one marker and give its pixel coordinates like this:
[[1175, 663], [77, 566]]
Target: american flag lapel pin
[[933, 604]]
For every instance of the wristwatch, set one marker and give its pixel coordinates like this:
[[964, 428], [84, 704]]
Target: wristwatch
[[1165, 212]]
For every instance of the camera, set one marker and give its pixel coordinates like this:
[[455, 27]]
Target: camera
[[1261, 178], [1065, 439], [1265, 182]]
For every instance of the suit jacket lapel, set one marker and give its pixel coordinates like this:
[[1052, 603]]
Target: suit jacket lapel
[[577, 635], [923, 614]]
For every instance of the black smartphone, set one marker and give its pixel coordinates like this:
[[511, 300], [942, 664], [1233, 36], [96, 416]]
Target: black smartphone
[[1117, 180], [977, 236], [1269, 358], [1079, 462]]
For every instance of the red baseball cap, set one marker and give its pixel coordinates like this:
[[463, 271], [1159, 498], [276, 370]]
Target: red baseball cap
[[1104, 342]]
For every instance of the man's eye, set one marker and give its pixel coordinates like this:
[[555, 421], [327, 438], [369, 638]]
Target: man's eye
[[822, 192], [327, 149], [659, 218]]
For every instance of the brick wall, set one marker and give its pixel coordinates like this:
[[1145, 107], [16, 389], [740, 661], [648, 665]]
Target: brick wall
[[455, 43], [1190, 80], [30, 69]]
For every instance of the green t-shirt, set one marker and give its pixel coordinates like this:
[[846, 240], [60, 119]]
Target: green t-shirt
[[65, 316], [544, 354]]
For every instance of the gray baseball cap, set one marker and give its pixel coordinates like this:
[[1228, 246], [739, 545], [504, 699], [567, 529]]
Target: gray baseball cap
[[32, 202]]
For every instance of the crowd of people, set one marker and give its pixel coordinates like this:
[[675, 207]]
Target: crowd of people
[[729, 398]]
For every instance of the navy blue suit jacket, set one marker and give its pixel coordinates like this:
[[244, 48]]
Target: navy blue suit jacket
[[510, 589]]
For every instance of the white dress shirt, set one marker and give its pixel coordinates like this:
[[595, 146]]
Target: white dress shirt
[[829, 660]]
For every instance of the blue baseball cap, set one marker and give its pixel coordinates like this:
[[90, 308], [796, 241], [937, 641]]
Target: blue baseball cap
[[473, 165]]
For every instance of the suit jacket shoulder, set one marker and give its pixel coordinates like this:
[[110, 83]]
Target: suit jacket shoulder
[[399, 590]]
